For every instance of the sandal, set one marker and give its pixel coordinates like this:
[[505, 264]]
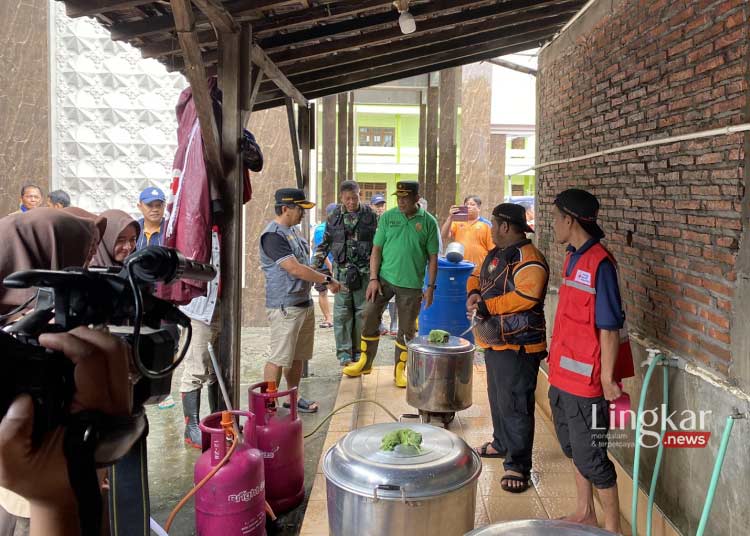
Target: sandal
[[482, 451], [514, 478], [304, 406], [325, 325]]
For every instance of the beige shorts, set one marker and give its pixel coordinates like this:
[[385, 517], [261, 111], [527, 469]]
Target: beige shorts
[[292, 334]]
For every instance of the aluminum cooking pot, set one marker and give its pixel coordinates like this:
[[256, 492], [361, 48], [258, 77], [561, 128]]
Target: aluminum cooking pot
[[454, 252], [539, 527], [440, 374], [403, 492]]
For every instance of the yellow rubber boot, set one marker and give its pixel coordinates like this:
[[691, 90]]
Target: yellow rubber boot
[[399, 370], [369, 348]]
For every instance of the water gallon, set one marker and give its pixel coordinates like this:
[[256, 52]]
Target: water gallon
[[448, 311], [279, 437], [232, 502]]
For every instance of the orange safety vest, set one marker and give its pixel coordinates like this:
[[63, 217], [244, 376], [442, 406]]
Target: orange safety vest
[[575, 353]]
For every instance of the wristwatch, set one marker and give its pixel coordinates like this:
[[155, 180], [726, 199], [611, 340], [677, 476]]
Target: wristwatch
[[433, 287]]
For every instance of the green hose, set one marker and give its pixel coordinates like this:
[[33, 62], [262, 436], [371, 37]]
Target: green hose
[[636, 459], [715, 476], [358, 401], [659, 453]]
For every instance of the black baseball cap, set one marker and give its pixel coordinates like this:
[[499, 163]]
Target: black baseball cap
[[404, 188], [512, 213], [584, 207], [292, 197]]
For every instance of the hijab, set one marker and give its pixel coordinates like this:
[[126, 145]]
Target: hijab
[[117, 222], [43, 238]]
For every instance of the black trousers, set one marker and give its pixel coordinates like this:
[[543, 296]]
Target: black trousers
[[511, 383]]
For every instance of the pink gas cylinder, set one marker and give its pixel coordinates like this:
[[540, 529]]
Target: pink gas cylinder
[[232, 502], [278, 433]]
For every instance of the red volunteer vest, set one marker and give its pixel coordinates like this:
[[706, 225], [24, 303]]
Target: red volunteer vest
[[575, 354]]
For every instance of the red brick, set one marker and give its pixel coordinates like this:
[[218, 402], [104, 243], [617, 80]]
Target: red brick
[[719, 320], [719, 288], [696, 295], [717, 351]]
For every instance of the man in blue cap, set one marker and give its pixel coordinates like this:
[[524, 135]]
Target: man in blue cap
[[151, 203]]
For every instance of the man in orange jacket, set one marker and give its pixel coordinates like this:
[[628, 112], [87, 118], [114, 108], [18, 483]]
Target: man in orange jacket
[[508, 297], [589, 354]]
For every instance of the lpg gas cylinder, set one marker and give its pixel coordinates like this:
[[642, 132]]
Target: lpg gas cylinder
[[278, 432], [232, 502]]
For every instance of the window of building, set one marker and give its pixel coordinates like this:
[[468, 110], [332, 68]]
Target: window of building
[[377, 136], [518, 143], [369, 189]]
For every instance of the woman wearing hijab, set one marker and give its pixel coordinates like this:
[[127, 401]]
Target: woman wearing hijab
[[119, 239], [44, 238]]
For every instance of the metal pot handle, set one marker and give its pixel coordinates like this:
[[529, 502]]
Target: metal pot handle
[[410, 416], [388, 487]]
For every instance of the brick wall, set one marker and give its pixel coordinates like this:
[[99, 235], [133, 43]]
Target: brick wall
[[672, 213]]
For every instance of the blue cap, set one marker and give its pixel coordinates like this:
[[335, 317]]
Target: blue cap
[[377, 199], [152, 193]]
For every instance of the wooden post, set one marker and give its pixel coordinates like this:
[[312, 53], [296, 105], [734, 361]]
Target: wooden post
[[431, 147], [328, 148], [341, 173], [422, 138], [231, 246], [295, 142], [350, 139], [449, 81]]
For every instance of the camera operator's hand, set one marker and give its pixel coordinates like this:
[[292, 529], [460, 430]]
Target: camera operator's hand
[[41, 475], [102, 363]]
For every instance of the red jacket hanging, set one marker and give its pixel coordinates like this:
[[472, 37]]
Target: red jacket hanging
[[575, 353], [190, 222]]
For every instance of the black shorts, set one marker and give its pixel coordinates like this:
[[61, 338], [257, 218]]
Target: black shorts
[[585, 445], [320, 287]]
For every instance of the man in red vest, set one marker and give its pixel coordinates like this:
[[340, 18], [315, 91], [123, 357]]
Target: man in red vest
[[589, 354]]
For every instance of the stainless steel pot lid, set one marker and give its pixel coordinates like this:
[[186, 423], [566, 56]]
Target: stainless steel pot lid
[[454, 345], [444, 464], [538, 527]]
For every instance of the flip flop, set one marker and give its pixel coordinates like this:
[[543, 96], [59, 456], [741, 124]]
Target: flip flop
[[482, 451], [303, 406], [514, 478], [325, 325]]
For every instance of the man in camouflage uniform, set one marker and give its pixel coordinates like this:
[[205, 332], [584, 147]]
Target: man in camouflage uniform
[[349, 233]]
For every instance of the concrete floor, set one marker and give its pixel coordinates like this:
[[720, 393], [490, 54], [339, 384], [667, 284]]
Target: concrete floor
[[552, 494], [171, 463]]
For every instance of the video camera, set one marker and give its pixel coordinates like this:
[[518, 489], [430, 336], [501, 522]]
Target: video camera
[[119, 298]]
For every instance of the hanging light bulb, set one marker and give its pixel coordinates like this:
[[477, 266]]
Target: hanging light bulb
[[405, 20]]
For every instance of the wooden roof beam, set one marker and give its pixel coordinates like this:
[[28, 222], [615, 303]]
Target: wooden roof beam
[[424, 66], [241, 9], [89, 8], [393, 35], [364, 22], [218, 15], [261, 59], [366, 57], [195, 72], [165, 47]]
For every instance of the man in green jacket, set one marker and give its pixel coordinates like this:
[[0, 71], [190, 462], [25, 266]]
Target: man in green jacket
[[405, 243], [348, 235]]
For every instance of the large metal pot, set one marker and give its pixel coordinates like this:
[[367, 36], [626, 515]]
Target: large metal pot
[[539, 527], [440, 375], [403, 492]]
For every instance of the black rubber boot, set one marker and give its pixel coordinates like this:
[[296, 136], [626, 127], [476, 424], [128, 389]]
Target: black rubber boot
[[191, 406], [214, 402]]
